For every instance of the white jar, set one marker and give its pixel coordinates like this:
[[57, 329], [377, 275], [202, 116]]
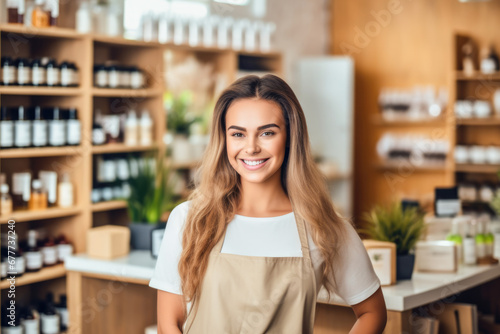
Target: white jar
[[461, 154], [493, 155], [477, 154], [482, 109]]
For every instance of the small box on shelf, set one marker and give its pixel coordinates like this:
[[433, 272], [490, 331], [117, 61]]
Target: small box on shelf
[[108, 242]]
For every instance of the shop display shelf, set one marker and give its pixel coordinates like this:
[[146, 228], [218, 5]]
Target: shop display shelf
[[25, 216], [430, 121], [108, 206], [41, 91], [477, 168], [40, 152], [487, 121], [405, 165], [124, 93], [44, 274], [121, 148], [50, 32], [460, 76], [120, 41]]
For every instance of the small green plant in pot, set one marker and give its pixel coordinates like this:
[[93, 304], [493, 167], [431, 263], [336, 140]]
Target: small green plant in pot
[[402, 227], [151, 195]]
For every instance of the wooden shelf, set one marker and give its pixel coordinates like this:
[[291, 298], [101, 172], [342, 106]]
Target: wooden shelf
[[478, 76], [43, 91], [45, 274], [476, 168], [40, 152], [487, 121], [120, 41], [112, 92], [396, 165], [25, 216], [430, 121], [184, 165], [51, 32], [108, 206], [121, 148]]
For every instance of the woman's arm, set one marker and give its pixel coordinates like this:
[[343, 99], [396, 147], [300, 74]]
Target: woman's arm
[[170, 313], [371, 314]]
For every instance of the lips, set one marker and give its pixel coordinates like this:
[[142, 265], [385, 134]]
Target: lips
[[253, 164]]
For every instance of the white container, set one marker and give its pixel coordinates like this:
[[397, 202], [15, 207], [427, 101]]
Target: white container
[[146, 129], [493, 155], [482, 109], [131, 129], [65, 192], [461, 154], [464, 109], [477, 154], [84, 18]]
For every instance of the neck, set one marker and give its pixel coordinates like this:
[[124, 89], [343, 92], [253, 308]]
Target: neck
[[264, 199]]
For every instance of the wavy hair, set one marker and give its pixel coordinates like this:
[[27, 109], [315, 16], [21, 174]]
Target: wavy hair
[[216, 196]]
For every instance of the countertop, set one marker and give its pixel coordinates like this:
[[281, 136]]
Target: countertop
[[423, 288]]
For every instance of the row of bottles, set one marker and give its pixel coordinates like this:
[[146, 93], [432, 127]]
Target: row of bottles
[[38, 72], [112, 175], [45, 317], [37, 251], [36, 194], [476, 243], [22, 127], [129, 128], [113, 75], [33, 13]]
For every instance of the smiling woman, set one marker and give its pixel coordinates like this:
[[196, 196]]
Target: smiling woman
[[258, 237]]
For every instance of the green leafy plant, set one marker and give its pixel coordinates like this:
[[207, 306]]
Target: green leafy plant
[[179, 119], [151, 191], [392, 223]]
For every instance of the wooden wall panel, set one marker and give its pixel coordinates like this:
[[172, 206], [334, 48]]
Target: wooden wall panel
[[401, 44]]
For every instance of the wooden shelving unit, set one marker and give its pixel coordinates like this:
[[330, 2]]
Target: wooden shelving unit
[[487, 121], [478, 76], [477, 169], [423, 122], [86, 50], [408, 167]]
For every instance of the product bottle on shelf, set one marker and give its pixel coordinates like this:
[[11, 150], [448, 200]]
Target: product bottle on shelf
[[7, 328], [64, 248], [6, 128], [38, 73], [9, 71], [39, 126], [39, 17], [73, 128], [49, 185], [57, 128], [470, 255], [98, 134], [53, 12], [22, 128], [131, 129], [480, 241], [53, 73], [456, 237], [6, 206], [21, 190], [62, 310], [84, 18], [65, 192], [66, 74], [50, 320], [146, 129], [30, 320], [34, 257], [13, 11], [38, 199], [23, 72], [489, 240], [49, 251]]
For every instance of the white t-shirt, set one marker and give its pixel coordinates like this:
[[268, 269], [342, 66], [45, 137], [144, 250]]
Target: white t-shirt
[[271, 237]]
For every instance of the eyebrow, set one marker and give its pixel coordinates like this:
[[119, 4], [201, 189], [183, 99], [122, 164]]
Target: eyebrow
[[259, 128]]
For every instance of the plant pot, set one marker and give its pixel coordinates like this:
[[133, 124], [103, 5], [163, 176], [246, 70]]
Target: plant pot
[[140, 235], [404, 266]]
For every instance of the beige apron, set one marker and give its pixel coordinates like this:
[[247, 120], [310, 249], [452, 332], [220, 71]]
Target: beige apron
[[255, 294]]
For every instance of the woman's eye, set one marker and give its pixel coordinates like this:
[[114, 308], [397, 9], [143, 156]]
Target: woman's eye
[[268, 133], [237, 134]]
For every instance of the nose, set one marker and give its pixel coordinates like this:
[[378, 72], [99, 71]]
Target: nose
[[252, 146]]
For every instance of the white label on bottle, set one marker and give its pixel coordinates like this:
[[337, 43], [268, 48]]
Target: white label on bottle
[[66, 77], [53, 76], [20, 264], [74, 132], [23, 75], [64, 251], [63, 313], [469, 251], [480, 250], [34, 260], [57, 133], [22, 133], [31, 326], [101, 79], [6, 134], [49, 255], [50, 323], [447, 207], [12, 330], [114, 79], [38, 75], [9, 75], [4, 269], [39, 133], [136, 80]]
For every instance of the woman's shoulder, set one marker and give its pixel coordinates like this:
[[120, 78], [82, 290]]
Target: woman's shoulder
[[179, 213]]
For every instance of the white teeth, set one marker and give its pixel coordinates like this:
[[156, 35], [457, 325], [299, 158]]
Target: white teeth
[[253, 163]]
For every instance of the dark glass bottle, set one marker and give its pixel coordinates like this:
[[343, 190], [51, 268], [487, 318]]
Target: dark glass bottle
[[6, 128]]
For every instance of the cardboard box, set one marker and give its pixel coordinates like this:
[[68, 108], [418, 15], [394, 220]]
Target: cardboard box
[[383, 257], [108, 242]]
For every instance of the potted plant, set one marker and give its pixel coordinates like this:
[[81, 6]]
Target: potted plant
[[151, 195], [404, 227]]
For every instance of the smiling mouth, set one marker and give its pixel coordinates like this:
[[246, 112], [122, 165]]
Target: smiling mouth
[[254, 162]]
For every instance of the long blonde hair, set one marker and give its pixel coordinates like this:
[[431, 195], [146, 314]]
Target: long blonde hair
[[216, 196]]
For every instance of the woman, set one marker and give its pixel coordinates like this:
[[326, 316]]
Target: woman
[[250, 249]]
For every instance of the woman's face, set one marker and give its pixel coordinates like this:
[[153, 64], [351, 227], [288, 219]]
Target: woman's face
[[255, 139]]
